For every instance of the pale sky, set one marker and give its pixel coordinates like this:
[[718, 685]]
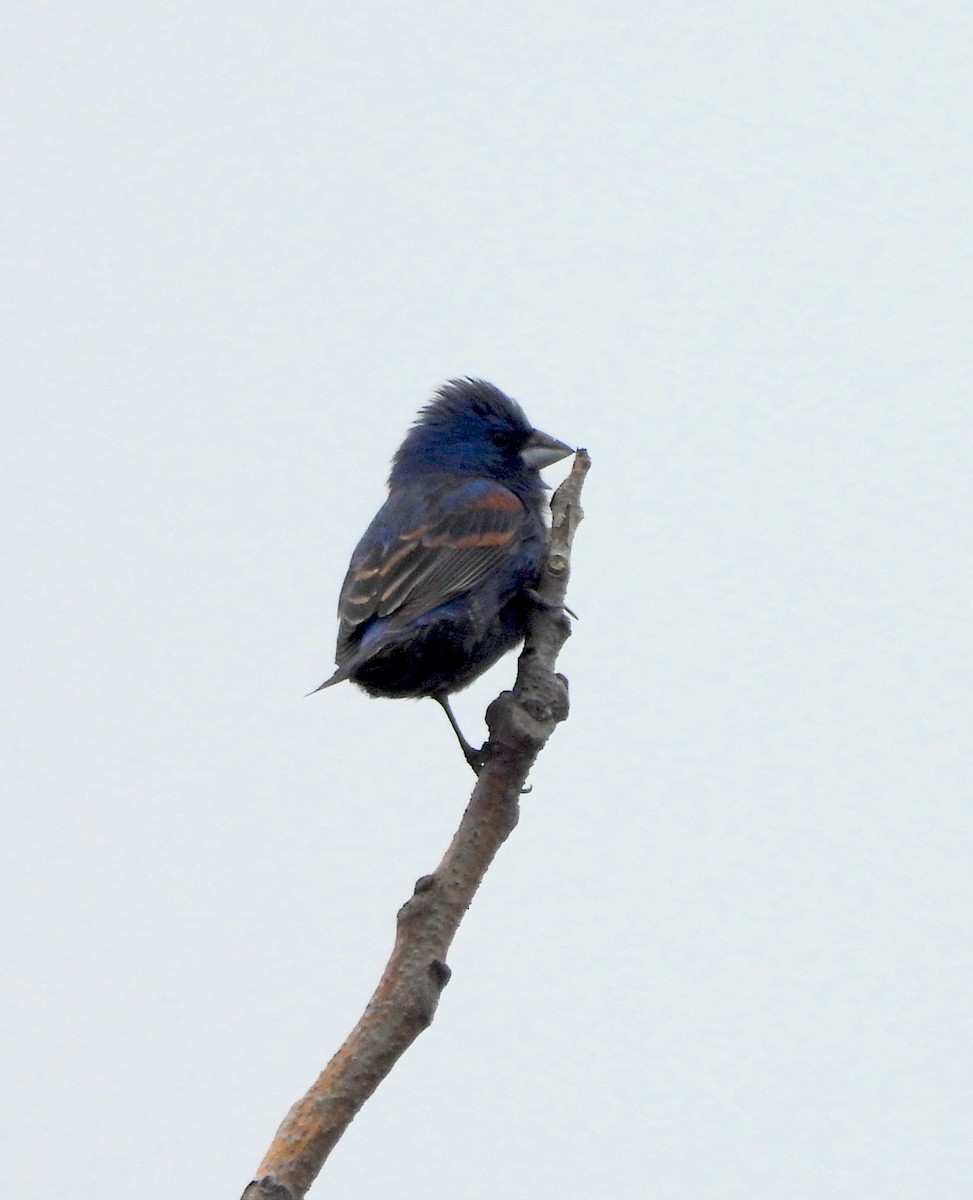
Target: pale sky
[[727, 953]]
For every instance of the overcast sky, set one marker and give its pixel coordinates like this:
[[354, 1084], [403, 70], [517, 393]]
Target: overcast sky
[[727, 247]]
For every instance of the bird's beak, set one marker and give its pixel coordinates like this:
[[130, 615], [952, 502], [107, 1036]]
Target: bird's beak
[[541, 450]]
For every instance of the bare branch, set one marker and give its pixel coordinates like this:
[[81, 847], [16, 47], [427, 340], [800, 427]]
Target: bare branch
[[404, 1003]]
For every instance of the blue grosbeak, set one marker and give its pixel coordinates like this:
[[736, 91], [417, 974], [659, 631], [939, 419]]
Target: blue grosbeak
[[441, 584]]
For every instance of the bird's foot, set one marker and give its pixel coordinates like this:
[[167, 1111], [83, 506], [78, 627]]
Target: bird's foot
[[476, 758], [539, 600]]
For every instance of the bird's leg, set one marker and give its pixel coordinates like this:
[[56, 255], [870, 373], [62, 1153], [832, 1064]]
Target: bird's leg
[[475, 758]]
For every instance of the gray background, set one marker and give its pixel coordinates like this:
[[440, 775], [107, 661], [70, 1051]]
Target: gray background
[[725, 246]]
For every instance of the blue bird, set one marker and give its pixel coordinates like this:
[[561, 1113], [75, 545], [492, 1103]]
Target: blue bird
[[442, 582]]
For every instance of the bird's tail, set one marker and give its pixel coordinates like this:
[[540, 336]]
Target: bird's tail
[[339, 676]]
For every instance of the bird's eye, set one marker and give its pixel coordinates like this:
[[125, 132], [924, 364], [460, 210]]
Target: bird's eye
[[503, 440]]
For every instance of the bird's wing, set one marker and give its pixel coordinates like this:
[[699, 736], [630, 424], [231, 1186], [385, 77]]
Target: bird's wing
[[404, 569]]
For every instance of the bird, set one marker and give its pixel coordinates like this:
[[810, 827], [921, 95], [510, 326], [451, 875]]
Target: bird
[[443, 581]]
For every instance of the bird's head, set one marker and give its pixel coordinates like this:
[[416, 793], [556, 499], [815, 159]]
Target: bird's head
[[471, 428]]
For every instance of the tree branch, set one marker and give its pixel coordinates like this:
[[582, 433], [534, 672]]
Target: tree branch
[[404, 1003]]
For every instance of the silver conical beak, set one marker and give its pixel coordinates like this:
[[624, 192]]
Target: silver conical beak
[[541, 450]]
